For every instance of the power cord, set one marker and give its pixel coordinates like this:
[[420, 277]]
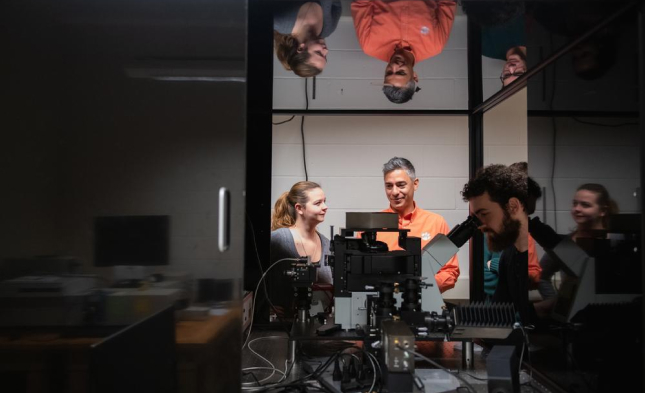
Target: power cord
[[604, 125], [282, 122], [272, 368], [302, 132], [257, 288], [257, 254], [553, 121]]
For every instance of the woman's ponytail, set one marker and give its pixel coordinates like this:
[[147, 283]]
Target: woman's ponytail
[[283, 213], [284, 210]]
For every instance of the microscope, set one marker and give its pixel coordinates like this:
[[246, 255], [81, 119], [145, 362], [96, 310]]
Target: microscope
[[389, 298]]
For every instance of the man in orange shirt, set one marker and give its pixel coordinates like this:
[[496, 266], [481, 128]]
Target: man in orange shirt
[[400, 184], [402, 33]]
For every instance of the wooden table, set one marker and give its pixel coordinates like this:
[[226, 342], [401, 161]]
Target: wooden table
[[36, 361]]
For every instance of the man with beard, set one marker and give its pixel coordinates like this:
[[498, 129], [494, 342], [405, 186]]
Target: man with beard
[[498, 196]]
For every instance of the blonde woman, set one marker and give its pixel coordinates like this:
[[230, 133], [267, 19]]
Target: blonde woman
[[297, 213], [299, 31]]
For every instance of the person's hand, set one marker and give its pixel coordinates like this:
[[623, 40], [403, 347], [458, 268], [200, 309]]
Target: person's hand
[[543, 234], [488, 264]]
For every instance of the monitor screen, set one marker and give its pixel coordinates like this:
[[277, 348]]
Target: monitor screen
[[131, 240], [140, 358]]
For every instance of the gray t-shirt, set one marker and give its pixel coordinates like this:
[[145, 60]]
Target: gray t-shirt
[[284, 246], [286, 13], [281, 291]]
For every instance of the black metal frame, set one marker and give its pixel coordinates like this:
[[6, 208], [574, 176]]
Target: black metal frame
[[476, 108], [476, 150], [641, 62], [258, 137], [567, 113], [371, 112]]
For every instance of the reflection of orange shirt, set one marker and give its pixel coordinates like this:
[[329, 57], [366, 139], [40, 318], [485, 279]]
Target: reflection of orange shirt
[[534, 266], [425, 225], [422, 25]]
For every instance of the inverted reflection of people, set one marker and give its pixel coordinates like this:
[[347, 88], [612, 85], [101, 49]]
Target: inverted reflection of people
[[498, 196], [491, 259], [300, 29], [515, 65], [503, 25], [400, 184], [402, 33], [296, 215], [595, 56], [591, 209]]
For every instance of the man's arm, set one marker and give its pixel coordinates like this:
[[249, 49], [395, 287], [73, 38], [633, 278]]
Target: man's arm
[[447, 276], [445, 19], [362, 11], [534, 265]]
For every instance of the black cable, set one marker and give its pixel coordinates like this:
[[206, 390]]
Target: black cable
[[282, 122], [604, 125], [302, 132], [264, 285], [316, 373], [555, 212]]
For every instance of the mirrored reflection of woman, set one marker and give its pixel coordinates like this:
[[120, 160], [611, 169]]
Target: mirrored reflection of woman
[[299, 32], [297, 213], [591, 209]]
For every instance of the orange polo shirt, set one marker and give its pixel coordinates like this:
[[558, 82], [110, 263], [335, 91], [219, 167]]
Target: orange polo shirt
[[422, 25], [425, 225], [535, 270]]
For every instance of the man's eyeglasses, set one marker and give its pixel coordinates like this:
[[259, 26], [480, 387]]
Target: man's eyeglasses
[[505, 76]]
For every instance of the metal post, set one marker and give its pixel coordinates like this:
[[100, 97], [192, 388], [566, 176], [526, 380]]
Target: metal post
[[476, 150], [641, 67], [467, 354], [258, 137], [292, 351]]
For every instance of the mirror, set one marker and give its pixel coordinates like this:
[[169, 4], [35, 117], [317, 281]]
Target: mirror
[[583, 138], [355, 56]]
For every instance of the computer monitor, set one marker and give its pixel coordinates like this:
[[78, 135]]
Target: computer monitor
[[140, 358], [131, 240]]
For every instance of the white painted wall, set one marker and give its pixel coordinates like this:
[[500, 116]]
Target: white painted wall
[[505, 128], [345, 154]]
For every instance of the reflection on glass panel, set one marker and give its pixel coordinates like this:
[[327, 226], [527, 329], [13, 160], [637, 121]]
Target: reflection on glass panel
[[370, 54], [599, 73], [112, 167], [299, 32], [583, 153], [503, 41]]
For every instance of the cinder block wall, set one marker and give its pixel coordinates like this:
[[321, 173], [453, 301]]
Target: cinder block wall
[[345, 154]]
